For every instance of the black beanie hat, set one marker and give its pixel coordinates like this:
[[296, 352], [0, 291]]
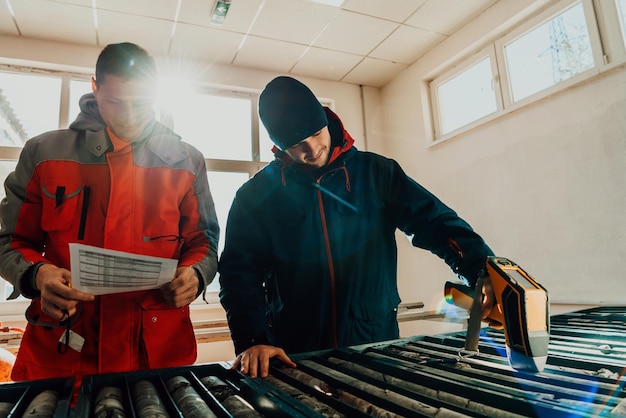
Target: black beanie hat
[[290, 112]]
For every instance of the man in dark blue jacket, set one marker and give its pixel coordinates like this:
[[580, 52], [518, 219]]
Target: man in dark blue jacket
[[310, 257]]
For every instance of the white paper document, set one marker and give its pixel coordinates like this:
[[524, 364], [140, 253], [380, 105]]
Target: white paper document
[[99, 271]]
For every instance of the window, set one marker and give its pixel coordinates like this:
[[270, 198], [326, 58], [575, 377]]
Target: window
[[219, 126], [467, 96], [553, 52], [563, 45], [29, 105], [223, 186]]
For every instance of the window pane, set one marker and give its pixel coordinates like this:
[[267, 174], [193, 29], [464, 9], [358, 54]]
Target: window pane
[[29, 106], [555, 51], [621, 9], [77, 89], [220, 127], [223, 186], [466, 97]]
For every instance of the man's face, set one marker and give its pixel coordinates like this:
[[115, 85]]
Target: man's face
[[312, 151], [126, 106]]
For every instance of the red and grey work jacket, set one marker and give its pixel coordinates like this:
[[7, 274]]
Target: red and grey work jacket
[[81, 185]]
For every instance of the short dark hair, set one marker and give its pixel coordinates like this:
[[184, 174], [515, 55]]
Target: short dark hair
[[128, 60]]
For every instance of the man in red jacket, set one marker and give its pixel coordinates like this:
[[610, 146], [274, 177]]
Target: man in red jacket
[[116, 179]]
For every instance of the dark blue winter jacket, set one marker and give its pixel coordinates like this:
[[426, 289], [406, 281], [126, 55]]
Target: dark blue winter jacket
[[310, 261]]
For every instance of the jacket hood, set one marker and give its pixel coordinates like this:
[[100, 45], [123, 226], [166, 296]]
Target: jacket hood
[[89, 118], [340, 140], [161, 139]]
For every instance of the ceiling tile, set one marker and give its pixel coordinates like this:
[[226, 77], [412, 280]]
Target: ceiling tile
[[296, 36], [86, 3], [7, 27], [293, 20], [398, 10], [354, 33], [255, 53], [374, 72], [192, 42], [435, 15], [55, 21], [241, 14], [326, 64], [406, 45], [150, 8], [151, 34]]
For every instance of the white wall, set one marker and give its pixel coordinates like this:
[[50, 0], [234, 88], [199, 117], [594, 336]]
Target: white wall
[[543, 185]]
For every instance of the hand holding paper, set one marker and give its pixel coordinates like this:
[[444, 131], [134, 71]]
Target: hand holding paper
[[183, 289], [99, 271]]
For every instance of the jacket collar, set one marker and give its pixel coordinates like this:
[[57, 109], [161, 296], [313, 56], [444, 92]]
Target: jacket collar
[[163, 141], [340, 139]]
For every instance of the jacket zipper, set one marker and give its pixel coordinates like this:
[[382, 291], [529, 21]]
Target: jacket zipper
[[83, 213], [331, 267]]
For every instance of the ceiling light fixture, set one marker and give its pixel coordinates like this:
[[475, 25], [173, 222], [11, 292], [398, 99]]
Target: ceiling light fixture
[[219, 12]]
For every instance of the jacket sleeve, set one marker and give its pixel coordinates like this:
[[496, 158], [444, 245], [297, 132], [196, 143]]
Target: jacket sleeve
[[243, 266], [21, 235], [435, 227], [200, 230]]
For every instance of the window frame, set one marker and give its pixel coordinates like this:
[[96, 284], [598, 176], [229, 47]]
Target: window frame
[[487, 52], [611, 33], [608, 46], [532, 24]]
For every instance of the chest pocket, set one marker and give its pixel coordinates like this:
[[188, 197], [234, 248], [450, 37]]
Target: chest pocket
[[61, 206]]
